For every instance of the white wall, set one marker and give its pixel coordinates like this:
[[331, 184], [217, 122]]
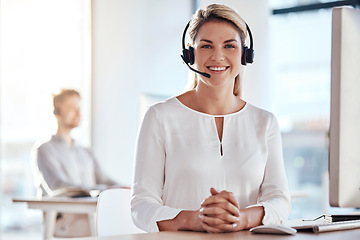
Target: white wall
[[136, 49]]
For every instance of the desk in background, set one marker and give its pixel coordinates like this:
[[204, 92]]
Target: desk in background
[[242, 235], [53, 205]]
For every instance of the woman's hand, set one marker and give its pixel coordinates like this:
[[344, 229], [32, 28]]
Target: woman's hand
[[220, 213], [184, 221]]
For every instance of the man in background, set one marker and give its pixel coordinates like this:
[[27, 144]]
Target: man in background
[[65, 167]]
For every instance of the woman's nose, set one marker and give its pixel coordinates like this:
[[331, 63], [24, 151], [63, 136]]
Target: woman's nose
[[218, 55]]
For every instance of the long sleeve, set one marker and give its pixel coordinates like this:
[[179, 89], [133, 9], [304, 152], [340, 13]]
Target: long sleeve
[[102, 179], [147, 205], [51, 170], [274, 194]]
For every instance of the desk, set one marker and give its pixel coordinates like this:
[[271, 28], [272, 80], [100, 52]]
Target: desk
[[53, 205], [242, 235]]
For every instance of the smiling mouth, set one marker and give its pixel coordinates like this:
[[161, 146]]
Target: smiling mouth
[[217, 69]]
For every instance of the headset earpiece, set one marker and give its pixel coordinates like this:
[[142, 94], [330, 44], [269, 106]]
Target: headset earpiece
[[247, 56], [188, 55], [248, 53], [243, 56]]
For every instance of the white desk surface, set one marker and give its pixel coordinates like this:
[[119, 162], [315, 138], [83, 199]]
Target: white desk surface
[[53, 205], [61, 204], [82, 200], [242, 235], [89, 206]]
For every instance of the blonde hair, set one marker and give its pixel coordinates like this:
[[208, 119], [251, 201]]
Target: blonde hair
[[217, 13], [59, 97]]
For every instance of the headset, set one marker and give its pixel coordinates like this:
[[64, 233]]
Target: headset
[[189, 57], [56, 111]]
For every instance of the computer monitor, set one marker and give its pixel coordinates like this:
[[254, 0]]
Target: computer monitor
[[344, 161]]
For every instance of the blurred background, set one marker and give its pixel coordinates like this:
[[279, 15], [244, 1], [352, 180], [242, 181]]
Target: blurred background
[[123, 55]]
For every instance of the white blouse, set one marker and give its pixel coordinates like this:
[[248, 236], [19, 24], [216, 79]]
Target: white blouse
[[179, 158]]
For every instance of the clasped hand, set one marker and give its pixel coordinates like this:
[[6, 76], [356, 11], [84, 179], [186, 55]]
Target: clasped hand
[[221, 213]]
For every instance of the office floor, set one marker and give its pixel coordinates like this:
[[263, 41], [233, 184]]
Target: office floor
[[17, 222], [33, 235]]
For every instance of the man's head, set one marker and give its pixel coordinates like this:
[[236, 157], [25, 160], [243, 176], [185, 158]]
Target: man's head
[[67, 108]]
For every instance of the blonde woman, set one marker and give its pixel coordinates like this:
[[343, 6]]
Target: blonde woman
[[206, 160]]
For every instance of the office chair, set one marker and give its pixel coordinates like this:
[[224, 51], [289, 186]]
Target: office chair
[[113, 214]]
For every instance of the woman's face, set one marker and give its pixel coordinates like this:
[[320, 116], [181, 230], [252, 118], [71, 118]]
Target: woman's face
[[218, 51]]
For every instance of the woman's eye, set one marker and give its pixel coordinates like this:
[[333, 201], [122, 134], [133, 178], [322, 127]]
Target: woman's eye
[[229, 46], [206, 46]]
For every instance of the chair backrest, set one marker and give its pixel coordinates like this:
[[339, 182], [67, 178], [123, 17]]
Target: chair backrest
[[113, 214]]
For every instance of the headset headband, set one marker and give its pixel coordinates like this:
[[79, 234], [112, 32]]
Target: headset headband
[[247, 28], [188, 55]]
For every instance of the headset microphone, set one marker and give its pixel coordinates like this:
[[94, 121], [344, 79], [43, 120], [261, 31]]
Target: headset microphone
[[188, 54], [202, 73]]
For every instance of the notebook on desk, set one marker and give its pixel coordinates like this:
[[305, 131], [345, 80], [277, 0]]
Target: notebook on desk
[[327, 227], [336, 218], [326, 223], [74, 192], [342, 217]]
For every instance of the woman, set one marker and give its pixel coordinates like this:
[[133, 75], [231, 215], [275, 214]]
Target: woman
[[206, 160]]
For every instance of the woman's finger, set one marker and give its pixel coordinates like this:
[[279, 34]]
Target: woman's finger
[[221, 208], [220, 228], [226, 217], [213, 191], [223, 196], [230, 197], [210, 229], [212, 221]]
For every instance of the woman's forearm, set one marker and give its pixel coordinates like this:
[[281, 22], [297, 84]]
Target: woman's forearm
[[251, 217], [185, 220]]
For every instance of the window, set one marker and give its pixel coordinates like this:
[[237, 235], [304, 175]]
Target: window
[[44, 46], [300, 92]]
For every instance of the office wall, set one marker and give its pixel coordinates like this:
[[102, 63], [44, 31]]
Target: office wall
[[136, 49]]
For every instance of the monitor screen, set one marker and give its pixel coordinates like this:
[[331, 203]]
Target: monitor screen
[[344, 161]]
